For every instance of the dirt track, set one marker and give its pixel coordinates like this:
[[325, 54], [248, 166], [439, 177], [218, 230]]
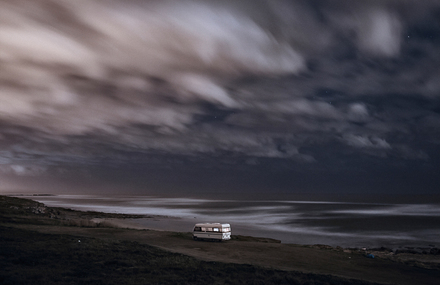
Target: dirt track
[[31, 216], [269, 255]]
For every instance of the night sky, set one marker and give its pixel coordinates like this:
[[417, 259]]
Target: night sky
[[196, 98]]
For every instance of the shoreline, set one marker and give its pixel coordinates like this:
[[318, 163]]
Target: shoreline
[[298, 222], [130, 221], [19, 214]]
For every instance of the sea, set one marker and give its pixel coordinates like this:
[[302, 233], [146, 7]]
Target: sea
[[345, 224]]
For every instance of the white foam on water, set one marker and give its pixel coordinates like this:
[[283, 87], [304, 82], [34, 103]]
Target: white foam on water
[[276, 219], [397, 210]]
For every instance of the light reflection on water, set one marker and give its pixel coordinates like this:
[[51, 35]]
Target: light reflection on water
[[302, 222]]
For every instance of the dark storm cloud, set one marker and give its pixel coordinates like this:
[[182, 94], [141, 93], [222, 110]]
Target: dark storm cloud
[[93, 82]]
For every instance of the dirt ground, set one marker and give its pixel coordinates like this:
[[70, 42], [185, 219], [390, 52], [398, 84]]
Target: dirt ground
[[350, 265]]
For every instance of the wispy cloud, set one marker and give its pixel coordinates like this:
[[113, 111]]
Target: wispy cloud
[[84, 80]]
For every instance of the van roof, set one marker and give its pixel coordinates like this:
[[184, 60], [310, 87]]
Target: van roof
[[212, 225]]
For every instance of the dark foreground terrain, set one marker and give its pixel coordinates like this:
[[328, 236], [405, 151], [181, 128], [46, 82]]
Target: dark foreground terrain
[[42, 245]]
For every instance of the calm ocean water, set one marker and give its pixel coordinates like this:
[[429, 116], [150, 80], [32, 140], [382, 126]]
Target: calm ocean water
[[302, 222]]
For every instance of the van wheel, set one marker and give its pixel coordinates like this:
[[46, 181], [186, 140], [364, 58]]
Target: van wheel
[[195, 238]]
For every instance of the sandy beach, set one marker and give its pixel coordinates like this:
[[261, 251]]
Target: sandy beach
[[350, 223], [35, 227]]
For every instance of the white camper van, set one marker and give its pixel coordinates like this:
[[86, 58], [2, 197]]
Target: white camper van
[[212, 231]]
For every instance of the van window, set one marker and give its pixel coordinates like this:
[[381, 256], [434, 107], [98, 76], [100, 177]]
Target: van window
[[197, 229]]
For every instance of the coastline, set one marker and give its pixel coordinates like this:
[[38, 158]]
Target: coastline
[[22, 214], [344, 224]]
